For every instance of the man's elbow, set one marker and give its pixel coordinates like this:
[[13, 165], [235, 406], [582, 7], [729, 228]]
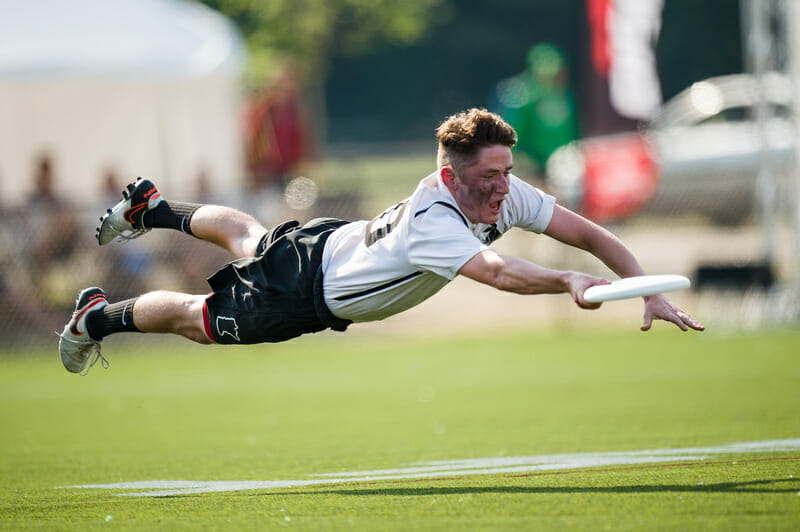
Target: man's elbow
[[488, 269], [501, 280]]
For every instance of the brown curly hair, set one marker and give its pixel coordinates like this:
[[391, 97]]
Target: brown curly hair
[[461, 135]]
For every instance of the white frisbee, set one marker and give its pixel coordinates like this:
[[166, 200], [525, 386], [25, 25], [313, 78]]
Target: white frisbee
[[643, 285]]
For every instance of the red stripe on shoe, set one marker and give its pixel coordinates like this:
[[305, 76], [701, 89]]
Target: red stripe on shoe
[[73, 326], [129, 214]]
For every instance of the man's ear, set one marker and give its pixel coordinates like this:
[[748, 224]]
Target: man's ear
[[448, 176]]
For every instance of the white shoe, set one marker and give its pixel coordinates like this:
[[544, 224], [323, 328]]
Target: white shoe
[[124, 220], [76, 347]]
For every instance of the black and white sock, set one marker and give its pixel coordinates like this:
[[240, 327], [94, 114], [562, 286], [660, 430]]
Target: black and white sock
[[171, 215], [112, 318]]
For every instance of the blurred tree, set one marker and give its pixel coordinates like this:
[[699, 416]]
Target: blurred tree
[[309, 33]]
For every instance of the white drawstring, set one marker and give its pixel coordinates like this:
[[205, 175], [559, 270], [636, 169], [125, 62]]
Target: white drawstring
[[92, 357]]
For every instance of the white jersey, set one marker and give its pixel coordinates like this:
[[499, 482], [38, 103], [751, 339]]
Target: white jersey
[[374, 269]]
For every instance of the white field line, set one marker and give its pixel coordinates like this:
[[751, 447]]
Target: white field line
[[449, 468]]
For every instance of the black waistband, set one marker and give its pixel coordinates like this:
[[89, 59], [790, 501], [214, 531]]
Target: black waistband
[[323, 312], [326, 227]]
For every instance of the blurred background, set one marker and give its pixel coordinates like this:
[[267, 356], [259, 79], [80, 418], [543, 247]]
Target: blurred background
[[672, 122]]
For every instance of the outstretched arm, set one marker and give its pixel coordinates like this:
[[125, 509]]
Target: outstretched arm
[[575, 230], [516, 275]]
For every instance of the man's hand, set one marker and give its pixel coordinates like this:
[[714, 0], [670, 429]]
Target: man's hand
[[658, 307], [578, 283]]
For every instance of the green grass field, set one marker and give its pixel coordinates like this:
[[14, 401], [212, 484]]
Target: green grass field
[[334, 404]]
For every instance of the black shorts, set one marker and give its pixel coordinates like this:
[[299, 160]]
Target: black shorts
[[276, 295]]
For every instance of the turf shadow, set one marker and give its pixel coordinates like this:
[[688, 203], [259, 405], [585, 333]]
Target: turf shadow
[[753, 486]]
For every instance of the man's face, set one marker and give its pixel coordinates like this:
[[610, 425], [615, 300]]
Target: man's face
[[481, 188]]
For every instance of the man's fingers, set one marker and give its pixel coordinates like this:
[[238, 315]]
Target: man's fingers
[[684, 321], [582, 303], [679, 322], [691, 322], [676, 316], [648, 321]]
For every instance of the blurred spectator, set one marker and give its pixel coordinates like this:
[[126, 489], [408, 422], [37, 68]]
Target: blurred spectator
[[277, 133], [539, 104], [110, 185], [53, 222], [204, 191], [21, 308], [209, 190], [195, 261]]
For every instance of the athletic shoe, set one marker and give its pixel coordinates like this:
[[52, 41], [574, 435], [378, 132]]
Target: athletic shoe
[[76, 347], [124, 220]]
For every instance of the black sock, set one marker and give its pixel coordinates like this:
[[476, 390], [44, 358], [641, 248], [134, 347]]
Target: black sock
[[171, 215], [112, 318]]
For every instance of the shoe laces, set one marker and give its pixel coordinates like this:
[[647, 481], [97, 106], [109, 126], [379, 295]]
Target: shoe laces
[[94, 355], [126, 235]]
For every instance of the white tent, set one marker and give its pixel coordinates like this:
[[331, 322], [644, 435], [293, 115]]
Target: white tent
[[142, 87]]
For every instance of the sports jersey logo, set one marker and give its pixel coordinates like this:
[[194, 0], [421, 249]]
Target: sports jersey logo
[[382, 225], [490, 234], [227, 326]]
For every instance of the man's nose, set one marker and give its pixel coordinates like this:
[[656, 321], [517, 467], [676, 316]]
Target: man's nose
[[503, 184]]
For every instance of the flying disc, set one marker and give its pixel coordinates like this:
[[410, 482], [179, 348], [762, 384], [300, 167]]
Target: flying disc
[[640, 286]]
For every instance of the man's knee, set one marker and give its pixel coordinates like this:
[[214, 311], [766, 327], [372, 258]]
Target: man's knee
[[251, 244]]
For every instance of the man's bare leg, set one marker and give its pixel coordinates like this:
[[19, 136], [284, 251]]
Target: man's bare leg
[[171, 312], [228, 228], [154, 312]]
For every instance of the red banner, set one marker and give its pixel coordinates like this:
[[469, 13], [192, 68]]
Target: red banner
[[621, 177]]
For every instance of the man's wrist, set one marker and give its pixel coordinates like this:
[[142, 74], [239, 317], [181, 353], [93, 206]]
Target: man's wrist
[[565, 279]]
